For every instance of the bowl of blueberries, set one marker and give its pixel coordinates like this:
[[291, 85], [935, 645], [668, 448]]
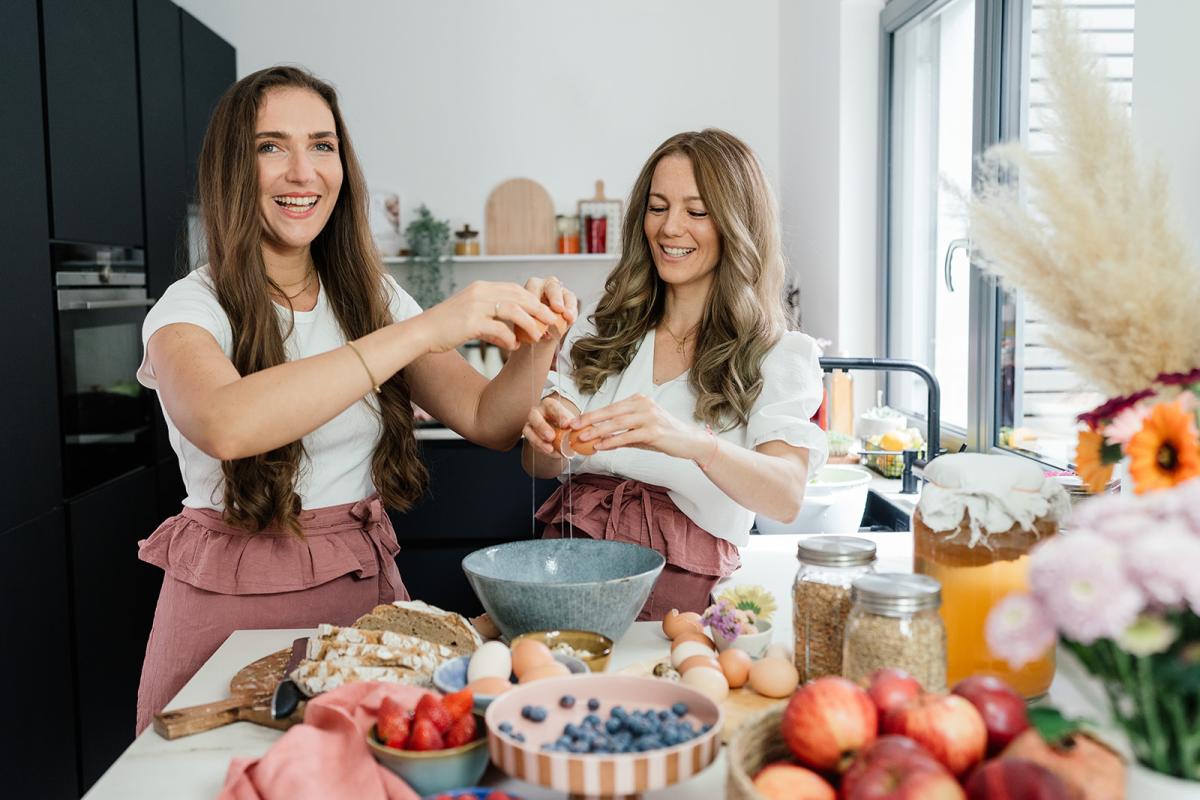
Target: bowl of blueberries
[[601, 734]]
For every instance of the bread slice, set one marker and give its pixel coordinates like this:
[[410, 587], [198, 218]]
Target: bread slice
[[414, 654], [414, 618], [314, 677]]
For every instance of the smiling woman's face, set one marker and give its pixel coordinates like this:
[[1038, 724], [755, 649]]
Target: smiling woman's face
[[683, 238], [299, 167]]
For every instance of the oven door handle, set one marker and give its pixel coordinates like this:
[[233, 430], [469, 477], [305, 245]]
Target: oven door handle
[[92, 305]]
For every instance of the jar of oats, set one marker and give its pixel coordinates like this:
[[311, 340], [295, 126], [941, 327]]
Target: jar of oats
[[894, 622], [829, 565]]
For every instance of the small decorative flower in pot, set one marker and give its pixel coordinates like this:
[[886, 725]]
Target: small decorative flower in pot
[[741, 618]]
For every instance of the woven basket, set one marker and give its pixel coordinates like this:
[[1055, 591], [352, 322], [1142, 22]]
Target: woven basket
[[757, 743]]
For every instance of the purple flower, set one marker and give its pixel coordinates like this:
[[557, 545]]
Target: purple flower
[[1109, 408], [722, 618], [1079, 581], [1018, 630], [1178, 378]]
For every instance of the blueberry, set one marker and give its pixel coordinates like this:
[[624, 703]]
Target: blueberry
[[613, 725], [592, 719], [571, 730], [537, 714], [680, 709], [567, 701], [706, 729], [506, 727], [579, 747], [593, 704], [520, 737], [527, 711], [619, 712]]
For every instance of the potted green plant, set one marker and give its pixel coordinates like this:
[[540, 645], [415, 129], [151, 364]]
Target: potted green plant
[[429, 247]]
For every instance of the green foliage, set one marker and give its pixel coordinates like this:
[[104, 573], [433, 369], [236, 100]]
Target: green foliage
[[429, 243]]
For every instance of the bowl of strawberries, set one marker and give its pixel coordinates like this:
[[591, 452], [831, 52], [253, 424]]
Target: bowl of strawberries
[[437, 746]]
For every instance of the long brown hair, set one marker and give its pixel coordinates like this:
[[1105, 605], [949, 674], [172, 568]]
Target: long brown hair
[[745, 315], [259, 491]]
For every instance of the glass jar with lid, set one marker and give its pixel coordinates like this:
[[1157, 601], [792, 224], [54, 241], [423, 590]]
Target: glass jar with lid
[[978, 518], [894, 622], [829, 566]]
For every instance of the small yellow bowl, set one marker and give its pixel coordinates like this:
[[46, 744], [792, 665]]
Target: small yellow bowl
[[597, 645]]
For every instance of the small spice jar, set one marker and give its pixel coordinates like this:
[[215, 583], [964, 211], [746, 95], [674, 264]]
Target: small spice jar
[[829, 566], [894, 622], [466, 242]]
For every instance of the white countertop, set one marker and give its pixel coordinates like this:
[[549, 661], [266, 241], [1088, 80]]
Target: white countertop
[[194, 767]]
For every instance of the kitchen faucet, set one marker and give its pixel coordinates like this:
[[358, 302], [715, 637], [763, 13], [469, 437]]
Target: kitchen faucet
[[933, 412]]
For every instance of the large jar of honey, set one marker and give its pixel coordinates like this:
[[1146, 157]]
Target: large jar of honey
[[978, 518]]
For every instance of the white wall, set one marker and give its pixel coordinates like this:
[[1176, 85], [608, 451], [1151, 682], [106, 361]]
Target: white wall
[[1166, 116], [447, 98]]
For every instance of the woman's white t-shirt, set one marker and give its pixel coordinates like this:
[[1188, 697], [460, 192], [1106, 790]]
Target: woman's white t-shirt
[[337, 466], [791, 394]]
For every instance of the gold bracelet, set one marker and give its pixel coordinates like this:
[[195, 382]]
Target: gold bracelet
[[374, 383]]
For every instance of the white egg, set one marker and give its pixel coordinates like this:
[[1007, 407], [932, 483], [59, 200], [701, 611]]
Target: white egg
[[491, 660], [687, 650], [708, 682]]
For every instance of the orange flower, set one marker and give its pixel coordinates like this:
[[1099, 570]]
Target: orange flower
[[1164, 452], [1088, 464]]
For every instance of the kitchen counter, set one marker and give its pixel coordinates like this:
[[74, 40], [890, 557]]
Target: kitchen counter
[[194, 767]]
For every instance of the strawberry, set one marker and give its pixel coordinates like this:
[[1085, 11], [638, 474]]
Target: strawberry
[[430, 707], [459, 704], [393, 723], [462, 731], [497, 795], [425, 736]]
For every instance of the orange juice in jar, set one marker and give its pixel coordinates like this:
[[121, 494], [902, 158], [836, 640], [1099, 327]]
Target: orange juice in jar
[[978, 518]]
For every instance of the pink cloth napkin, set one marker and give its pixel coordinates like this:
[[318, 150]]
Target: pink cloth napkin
[[327, 756]]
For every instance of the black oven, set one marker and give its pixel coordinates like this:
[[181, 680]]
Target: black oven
[[107, 416]]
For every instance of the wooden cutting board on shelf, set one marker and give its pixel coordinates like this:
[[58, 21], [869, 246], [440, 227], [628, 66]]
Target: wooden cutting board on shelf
[[249, 700], [519, 219]]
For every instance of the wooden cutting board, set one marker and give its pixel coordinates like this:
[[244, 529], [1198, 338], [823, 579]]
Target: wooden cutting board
[[249, 700], [519, 219]]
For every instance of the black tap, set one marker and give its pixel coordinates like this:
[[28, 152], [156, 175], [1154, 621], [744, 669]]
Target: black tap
[[933, 411]]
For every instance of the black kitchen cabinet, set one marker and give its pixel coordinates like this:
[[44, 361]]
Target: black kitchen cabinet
[[92, 132], [31, 470], [209, 68], [39, 703], [114, 597]]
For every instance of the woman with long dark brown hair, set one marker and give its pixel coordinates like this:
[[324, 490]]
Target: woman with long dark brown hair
[[685, 379], [286, 369]]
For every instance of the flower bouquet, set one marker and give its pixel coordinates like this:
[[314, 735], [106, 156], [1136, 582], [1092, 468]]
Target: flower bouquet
[[741, 618], [1082, 232]]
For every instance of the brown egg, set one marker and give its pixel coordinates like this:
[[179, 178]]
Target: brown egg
[[666, 620], [698, 661], [551, 670], [688, 622], [736, 665], [528, 654], [774, 677], [489, 686], [692, 636]]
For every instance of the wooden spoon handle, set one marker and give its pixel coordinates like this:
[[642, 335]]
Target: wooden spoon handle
[[194, 719]]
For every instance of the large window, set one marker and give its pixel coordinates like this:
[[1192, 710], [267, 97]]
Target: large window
[[962, 75]]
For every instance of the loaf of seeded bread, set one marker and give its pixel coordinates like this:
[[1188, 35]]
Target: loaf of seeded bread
[[408, 651], [414, 618]]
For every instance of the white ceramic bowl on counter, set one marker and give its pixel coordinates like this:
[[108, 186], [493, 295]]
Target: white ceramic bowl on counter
[[834, 502]]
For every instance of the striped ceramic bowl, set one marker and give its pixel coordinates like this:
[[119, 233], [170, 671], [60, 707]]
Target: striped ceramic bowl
[[602, 774]]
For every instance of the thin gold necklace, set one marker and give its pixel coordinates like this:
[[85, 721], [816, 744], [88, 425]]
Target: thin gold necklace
[[303, 289], [679, 343]]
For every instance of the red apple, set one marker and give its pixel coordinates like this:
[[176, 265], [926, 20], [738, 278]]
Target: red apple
[[828, 721], [1002, 709], [784, 781], [946, 725], [890, 687], [1016, 779], [897, 768]]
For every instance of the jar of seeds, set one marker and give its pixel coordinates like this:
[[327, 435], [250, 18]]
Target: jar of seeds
[[829, 566], [894, 622]]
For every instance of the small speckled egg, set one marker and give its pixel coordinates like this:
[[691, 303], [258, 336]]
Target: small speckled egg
[[707, 681], [491, 660], [774, 677], [691, 662], [528, 654], [687, 650], [736, 666], [552, 670], [489, 686]]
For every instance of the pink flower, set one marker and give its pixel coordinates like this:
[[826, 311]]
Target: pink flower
[[1165, 563], [1114, 516], [1079, 581], [1018, 631], [1126, 424]]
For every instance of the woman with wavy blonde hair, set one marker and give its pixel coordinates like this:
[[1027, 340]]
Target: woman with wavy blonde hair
[[695, 397], [285, 368]]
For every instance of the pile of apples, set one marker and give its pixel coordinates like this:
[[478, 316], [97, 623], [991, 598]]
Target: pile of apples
[[894, 740]]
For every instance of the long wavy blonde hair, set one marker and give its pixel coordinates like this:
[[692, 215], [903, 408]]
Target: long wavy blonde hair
[[259, 491], [745, 314]]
